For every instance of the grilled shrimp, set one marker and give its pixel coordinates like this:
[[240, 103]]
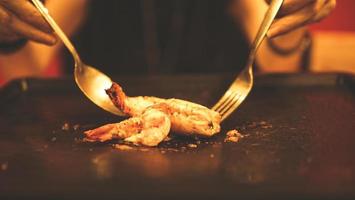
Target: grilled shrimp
[[152, 118], [148, 129]]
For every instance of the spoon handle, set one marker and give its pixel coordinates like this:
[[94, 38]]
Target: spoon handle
[[60, 33]]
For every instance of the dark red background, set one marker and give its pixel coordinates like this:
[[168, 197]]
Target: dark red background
[[341, 19]]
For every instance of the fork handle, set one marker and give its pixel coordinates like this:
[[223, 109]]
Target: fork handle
[[269, 17]]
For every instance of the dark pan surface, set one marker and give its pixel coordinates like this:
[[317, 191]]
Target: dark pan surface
[[299, 142]]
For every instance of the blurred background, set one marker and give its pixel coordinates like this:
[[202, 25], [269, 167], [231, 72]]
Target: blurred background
[[209, 40], [334, 40], [173, 39]]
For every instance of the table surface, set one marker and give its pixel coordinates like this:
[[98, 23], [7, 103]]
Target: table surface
[[299, 142]]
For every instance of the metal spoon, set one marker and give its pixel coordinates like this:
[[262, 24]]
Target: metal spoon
[[91, 81]]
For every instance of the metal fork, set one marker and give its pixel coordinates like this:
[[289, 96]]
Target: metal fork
[[242, 85]]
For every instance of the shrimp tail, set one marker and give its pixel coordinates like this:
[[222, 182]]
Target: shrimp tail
[[101, 134], [121, 130]]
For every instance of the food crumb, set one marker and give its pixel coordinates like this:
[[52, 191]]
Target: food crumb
[[163, 152], [192, 145], [144, 149], [66, 126], [255, 144], [76, 127], [87, 140], [266, 126], [4, 166], [172, 149], [263, 123], [53, 139], [253, 125], [122, 147], [233, 136], [167, 139], [211, 155]]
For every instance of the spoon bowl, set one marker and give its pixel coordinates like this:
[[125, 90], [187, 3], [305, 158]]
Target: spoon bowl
[[93, 84], [90, 80]]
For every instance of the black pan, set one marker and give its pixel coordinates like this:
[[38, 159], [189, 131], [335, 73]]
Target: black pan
[[299, 142]]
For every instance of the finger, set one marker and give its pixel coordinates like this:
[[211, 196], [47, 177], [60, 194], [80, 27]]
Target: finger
[[293, 21], [325, 11], [4, 17], [25, 30], [27, 13], [8, 37], [6, 34], [291, 6], [13, 28]]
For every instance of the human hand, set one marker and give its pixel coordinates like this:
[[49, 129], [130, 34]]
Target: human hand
[[20, 19], [297, 13]]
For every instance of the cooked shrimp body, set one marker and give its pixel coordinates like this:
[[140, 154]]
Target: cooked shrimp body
[[152, 118], [148, 129], [156, 127], [186, 117], [189, 118]]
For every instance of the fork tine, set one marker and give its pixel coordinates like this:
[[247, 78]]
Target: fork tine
[[227, 101], [222, 100], [233, 107], [230, 103]]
